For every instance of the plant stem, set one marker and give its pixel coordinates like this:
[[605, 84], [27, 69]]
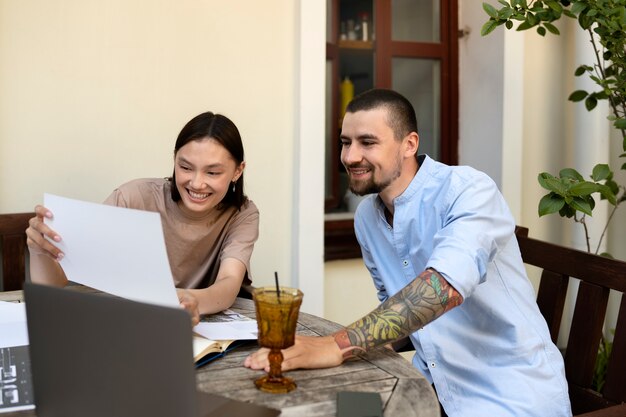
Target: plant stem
[[584, 223], [600, 68], [606, 226]]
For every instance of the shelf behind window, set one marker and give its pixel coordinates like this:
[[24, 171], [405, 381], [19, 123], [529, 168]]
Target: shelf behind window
[[345, 44]]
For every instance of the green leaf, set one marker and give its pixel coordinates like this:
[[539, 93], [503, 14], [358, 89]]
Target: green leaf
[[578, 95], [607, 193], [567, 211], [578, 7], [584, 21], [583, 189], [505, 13], [600, 172], [612, 186], [551, 183], [541, 30], [580, 71], [552, 28], [550, 203], [524, 26], [591, 102], [571, 173], [488, 27], [509, 24], [554, 5], [581, 205], [569, 13], [620, 123], [490, 10]]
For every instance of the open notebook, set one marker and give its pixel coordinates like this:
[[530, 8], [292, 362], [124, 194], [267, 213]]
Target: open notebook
[[219, 333], [98, 355]]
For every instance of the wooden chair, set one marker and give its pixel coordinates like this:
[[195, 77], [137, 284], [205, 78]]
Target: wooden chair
[[597, 275], [13, 249]]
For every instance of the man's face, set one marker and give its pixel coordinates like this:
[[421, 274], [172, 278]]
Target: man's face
[[369, 152]]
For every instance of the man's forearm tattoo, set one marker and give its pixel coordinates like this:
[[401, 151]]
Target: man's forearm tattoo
[[417, 304]]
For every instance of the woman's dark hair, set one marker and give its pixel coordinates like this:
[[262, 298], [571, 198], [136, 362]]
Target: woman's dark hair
[[221, 129]]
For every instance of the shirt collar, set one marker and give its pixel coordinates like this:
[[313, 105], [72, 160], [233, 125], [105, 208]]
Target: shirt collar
[[425, 164]]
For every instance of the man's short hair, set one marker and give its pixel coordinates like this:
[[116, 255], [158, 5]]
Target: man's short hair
[[400, 113]]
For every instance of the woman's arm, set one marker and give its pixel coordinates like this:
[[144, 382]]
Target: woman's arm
[[222, 294]]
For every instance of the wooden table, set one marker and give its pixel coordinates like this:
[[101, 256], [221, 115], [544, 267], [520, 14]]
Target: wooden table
[[403, 390]]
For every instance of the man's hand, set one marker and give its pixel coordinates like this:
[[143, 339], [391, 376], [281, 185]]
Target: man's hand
[[307, 352], [189, 303]]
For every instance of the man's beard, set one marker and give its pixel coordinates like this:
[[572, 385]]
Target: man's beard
[[370, 186]]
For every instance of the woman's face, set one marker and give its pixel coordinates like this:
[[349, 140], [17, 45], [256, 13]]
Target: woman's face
[[204, 172]]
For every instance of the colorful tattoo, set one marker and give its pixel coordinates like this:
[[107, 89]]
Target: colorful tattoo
[[427, 297], [343, 341]]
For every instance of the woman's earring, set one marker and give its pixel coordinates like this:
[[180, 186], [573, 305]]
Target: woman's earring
[[233, 186]]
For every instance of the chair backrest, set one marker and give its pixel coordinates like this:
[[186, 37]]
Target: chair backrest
[[598, 275], [13, 249]]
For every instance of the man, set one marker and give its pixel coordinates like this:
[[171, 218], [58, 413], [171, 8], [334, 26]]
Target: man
[[439, 243]]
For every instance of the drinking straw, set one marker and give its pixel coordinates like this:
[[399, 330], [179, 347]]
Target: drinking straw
[[277, 287]]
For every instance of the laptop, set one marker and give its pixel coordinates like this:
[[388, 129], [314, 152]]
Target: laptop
[[99, 355]]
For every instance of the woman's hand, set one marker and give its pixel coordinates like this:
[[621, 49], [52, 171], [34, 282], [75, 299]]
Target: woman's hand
[[190, 303], [307, 352], [38, 231]]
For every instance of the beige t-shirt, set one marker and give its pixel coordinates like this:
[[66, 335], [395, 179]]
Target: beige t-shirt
[[195, 245]]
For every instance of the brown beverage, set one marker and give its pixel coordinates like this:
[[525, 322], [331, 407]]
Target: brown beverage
[[277, 317]]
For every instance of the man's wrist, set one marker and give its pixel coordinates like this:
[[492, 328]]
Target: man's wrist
[[345, 345]]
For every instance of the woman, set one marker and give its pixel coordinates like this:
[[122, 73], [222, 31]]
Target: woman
[[209, 224]]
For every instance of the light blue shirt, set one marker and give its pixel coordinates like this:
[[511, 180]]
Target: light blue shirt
[[492, 355]]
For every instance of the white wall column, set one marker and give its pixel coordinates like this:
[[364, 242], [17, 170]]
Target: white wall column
[[513, 122], [591, 140], [308, 205]]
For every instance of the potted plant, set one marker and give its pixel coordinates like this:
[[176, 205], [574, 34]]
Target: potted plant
[[569, 194]]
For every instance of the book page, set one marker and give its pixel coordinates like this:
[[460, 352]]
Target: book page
[[202, 346], [13, 331]]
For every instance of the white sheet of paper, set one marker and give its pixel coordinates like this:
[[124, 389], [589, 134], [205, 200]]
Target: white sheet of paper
[[113, 249], [13, 331], [234, 330]]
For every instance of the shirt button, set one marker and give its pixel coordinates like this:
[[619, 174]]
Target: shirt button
[[405, 263], [432, 364]]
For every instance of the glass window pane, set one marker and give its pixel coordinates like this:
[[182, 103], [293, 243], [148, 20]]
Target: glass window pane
[[419, 81], [415, 20]]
